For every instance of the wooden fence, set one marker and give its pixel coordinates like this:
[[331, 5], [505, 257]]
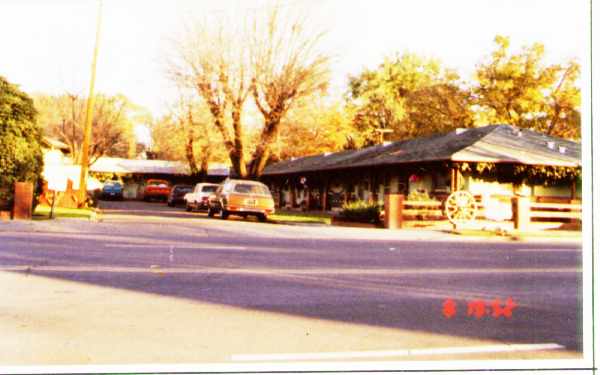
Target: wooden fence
[[423, 209], [524, 211], [555, 210]]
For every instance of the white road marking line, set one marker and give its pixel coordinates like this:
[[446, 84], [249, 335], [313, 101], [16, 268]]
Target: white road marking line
[[549, 250], [281, 271], [396, 353], [133, 245], [171, 247]]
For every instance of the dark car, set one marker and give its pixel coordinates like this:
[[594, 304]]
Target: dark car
[[177, 193], [112, 190]]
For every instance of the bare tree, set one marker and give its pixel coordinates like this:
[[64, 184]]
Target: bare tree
[[286, 67], [187, 133], [276, 62], [62, 118], [213, 63]]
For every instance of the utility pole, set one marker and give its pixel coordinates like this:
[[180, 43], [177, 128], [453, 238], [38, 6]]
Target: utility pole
[[89, 114]]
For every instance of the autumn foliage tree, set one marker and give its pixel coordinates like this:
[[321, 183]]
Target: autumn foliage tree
[[415, 96], [188, 134], [410, 96], [519, 89], [313, 126]]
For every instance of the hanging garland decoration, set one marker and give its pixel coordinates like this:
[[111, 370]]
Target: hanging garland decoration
[[546, 175]]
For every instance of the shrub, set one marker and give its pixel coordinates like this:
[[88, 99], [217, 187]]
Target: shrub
[[21, 156], [418, 196], [361, 212]]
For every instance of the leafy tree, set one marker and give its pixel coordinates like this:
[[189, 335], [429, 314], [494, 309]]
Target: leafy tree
[[409, 95], [112, 124], [313, 127], [21, 157], [518, 89], [439, 108]]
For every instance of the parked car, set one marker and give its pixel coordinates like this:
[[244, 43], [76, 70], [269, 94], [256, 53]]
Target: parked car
[[177, 193], [112, 190], [198, 199], [242, 198], [156, 189]]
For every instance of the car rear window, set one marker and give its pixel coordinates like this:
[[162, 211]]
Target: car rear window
[[183, 188], [251, 189], [209, 189]]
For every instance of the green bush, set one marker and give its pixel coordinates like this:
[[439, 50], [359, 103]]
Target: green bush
[[21, 156], [361, 212], [419, 196]]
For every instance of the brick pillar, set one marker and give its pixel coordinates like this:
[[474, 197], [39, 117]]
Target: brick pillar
[[521, 212], [23, 200], [394, 204]]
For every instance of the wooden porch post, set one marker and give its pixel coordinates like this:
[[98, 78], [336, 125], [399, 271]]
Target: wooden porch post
[[293, 194], [307, 191], [453, 179], [324, 193], [371, 187]]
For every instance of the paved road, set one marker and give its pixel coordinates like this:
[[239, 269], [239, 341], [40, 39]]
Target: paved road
[[263, 285]]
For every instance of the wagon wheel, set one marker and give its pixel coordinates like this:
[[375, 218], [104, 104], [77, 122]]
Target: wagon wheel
[[461, 207]]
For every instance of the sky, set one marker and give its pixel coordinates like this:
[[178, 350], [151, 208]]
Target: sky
[[46, 46]]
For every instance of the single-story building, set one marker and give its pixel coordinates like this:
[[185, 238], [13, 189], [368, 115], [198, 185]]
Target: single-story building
[[133, 172], [62, 174], [491, 160]]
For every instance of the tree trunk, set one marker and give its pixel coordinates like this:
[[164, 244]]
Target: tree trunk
[[237, 156], [204, 161], [263, 149], [189, 153]]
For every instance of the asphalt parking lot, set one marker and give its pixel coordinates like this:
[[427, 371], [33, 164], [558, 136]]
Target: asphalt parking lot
[[153, 284]]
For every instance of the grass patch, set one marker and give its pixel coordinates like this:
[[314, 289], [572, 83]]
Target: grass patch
[[517, 235], [300, 217], [43, 212], [477, 233]]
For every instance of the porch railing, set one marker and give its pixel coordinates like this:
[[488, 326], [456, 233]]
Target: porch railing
[[423, 209], [555, 210]]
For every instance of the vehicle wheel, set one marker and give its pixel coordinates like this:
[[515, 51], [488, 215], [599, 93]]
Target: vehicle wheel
[[262, 218], [188, 208], [211, 213], [170, 204], [224, 214]]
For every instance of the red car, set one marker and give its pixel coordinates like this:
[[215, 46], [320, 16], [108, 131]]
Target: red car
[[156, 189]]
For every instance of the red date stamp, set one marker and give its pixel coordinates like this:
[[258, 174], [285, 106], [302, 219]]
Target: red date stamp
[[480, 308]]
